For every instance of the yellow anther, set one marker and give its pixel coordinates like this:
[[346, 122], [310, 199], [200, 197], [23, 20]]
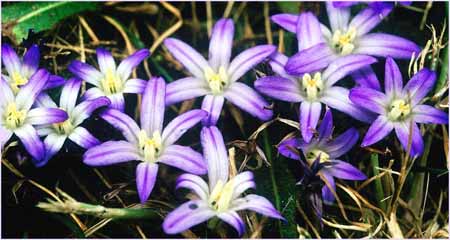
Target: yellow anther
[[221, 196], [17, 80], [63, 128], [311, 156], [216, 81], [312, 86], [111, 82], [399, 109], [343, 42], [14, 118], [150, 147]]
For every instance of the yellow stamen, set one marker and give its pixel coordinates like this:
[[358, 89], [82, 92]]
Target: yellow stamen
[[311, 156], [220, 198], [312, 86], [343, 42], [216, 81], [399, 109], [150, 147], [63, 128], [14, 118], [17, 81], [111, 83]]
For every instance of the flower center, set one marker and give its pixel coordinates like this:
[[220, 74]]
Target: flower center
[[17, 80], [343, 42], [220, 198], [14, 118], [399, 109], [63, 128], [111, 83], [150, 147], [311, 156], [216, 81], [312, 86]]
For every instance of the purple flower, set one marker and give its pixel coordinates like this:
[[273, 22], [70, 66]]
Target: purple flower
[[399, 107], [318, 45], [20, 72], [311, 90], [58, 133], [17, 116], [217, 78], [221, 197], [327, 151], [149, 143], [111, 81]]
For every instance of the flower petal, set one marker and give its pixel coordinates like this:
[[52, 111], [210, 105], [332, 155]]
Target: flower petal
[[248, 59], [111, 152], [39, 116], [184, 158], [31, 60], [369, 18], [402, 129], [377, 131], [85, 72], [179, 125], [279, 88], [54, 81], [187, 215], [286, 20], [92, 93], [117, 101], [288, 148], [309, 117], [242, 182], [277, 62], [365, 77], [134, 86], [5, 135], [248, 100], [429, 114], [69, 94], [310, 60], [85, 109], [215, 154], [213, 105], [146, 174], [30, 91], [193, 61], [369, 99], [234, 220], [393, 81], [343, 66], [32, 143], [83, 138], [184, 89], [327, 194], [193, 183], [344, 170], [419, 85], [308, 31], [257, 204], [53, 143], [385, 45], [44, 100], [10, 59], [326, 126], [105, 61], [128, 64], [342, 144], [7, 95], [153, 105], [221, 43], [338, 16], [123, 123]]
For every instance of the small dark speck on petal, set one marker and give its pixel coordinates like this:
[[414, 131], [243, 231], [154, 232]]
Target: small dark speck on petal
[[193, 206]]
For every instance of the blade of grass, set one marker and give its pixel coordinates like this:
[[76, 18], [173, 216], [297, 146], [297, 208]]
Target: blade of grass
[[379, 193]]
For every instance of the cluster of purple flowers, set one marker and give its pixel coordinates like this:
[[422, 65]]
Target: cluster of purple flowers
[[309, 77]]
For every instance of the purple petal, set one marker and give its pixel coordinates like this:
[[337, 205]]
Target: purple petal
[[92, 93], [10, 59], [117, 101], [40, 116], [134, 86], [310, 60], [343, 66], [83, 138], [123, 123], [146, 174], [193, 183], [429, 114], [327, 194], [31, 60], [402, 129], [221, 43], [234, 220], [377, 131], [44, 100], [184, 158], [393, 81], [309, 117], [105, 60], [385, 45], [286, 20], [308, 31], [85, 109], [184, 89], [288, 146], [111, 152], [193, 61], [257, 204], [7, 95], [153, 105], [344, 170], [54, 81], [279, 88], [242, 182], [213, 105], [187, 215], [419, 85], [179, 125], [342, 144], [69, 94], [369, 18], [53, 143], [365, 77], [248, 59], [337, 98], [326, 126], [30, 91], [344, 4], [369, 99], [277, 62], [86, 72], [215, 154], [32, 143], [128, 64], [248, 100], [338, 16], [5, 135]]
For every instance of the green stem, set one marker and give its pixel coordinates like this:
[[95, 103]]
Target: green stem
[[379, 193]]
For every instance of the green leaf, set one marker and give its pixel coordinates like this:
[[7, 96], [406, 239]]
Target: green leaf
[[18, 18], [289, 7]]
